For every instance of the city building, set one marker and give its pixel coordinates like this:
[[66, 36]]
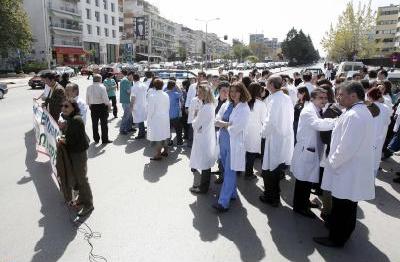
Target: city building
[[387, 26], [256, 39], [101, 25]]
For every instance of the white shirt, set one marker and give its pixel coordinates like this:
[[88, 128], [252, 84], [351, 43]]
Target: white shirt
[[139, 91], [310, 87], [190, 94], [96, 94], [82, 107]]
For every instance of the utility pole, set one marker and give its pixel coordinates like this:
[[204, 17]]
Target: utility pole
[[206, 46]]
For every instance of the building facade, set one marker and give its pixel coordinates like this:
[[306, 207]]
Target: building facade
[[387, 27], [101, 30]]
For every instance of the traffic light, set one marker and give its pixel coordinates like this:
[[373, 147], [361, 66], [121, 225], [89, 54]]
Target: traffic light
[[225, 37], [203, 47]]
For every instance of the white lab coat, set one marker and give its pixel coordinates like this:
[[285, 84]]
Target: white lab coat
[[310, 87], [190, 94], [204, 154], [253, 131], [278, 131], [349, 172], [305, 162], [238, 122], [158, 128], [388, 101], [195, 105], [139, 112], [381, 122], [292, 93]]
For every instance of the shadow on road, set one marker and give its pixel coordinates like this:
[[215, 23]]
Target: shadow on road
[[95, 150], [58, 232]]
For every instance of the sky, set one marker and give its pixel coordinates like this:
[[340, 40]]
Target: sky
[[238, 19]]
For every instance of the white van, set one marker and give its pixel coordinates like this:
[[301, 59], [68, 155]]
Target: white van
[[349, 68]]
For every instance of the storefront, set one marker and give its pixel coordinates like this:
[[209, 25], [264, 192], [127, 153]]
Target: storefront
[[70, 56]]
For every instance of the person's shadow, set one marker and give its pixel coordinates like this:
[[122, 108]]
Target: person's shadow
[[386, 202], [95, 150], [58, 232]]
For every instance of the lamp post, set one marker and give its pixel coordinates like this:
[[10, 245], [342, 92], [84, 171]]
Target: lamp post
[[206, 22]]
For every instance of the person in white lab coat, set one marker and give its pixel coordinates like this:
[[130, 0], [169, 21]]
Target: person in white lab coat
[[381, 122], [349, 171], [139, 105], [308, 150], [158, 128], [292, 90], [203, 154], [191, 94], [279, 140], [386, 89], [258, 113], [232, 120], [307, 78]]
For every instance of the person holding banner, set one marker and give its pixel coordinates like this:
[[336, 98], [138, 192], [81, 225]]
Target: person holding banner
[[56, 95], [76, 143]]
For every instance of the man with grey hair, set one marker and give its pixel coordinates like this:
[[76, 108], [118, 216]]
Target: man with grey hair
[[99, 104], [279, 140], [349, 169], [72, 91]]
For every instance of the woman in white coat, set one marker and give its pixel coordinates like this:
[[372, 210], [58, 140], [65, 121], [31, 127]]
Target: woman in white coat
[[158, 128], [232, 120], [203, 154], [258, 114], [381, 123], [139, 104]]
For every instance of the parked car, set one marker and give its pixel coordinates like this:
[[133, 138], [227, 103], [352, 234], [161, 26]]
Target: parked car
[[36, 81], [179, 75], [3, 90], [65, 69], [312, 70]]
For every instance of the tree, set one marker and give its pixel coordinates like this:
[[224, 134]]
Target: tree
[[240, 51], [351, 37], [252, 58], [15, 31], [298, 48], [260, 50], [182, 53]]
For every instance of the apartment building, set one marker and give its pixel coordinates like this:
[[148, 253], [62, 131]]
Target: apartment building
[[101, 29], [387, 26]]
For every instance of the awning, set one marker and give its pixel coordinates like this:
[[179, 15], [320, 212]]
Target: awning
[[70, 50]]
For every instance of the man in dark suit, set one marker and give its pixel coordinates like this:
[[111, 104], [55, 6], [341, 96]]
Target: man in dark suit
[[56, 97]]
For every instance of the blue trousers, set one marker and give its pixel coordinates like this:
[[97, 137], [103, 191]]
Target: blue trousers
[[394, 144], [127, 119], [228, 190]]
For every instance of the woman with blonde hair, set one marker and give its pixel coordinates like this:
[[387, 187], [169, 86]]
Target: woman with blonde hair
[[203, 155]]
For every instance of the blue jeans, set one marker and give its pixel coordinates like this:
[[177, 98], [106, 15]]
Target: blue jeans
[[127, 119], [228, 190], [394, 144]]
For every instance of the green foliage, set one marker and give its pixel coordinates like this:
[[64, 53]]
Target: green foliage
[[240, 51], [298, 48], [352, 35], [15, 32], [252, 58], [34, 67], [182, 53]]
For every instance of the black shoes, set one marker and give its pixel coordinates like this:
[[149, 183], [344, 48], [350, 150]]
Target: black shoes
[[107, 142], [197, 190], [396, 180], [326, 241], [250, 177], [219, 180], [305, 212], [85, 211], [269, 201], [219, 208]]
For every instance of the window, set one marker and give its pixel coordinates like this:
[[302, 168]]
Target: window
[[89, 29], [105, 4], [98, 30], [105, 19], [112, 7], [88, 16], [121, 29], [96, 2], [113, 20], [87, 1], [106, 31], [97, 15], [114, 34]]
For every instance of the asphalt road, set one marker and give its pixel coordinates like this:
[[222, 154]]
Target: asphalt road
[[145, 212]]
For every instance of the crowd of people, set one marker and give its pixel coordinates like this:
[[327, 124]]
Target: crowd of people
[[330, 132]]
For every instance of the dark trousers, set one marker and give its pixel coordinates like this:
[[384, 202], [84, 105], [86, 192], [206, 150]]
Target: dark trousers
[[142, 131], [99, 112], [394, 144], [205, 180], [271, 182], [177, 125], [343, 220], [79, 170], [301, 198], [250, 158], [190, 140], [114, 104]]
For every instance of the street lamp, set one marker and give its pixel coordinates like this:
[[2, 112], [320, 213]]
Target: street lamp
[[206, 22]]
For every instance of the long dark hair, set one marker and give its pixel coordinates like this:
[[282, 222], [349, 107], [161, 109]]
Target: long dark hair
[[255, 92], [304, 90], [74, 105]]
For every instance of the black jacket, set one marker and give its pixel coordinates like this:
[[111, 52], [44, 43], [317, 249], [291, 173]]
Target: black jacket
[[76, 140]]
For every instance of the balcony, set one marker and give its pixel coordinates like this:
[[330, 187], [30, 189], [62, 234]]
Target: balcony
[[65, 9], [67, 27], [64, 43]]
